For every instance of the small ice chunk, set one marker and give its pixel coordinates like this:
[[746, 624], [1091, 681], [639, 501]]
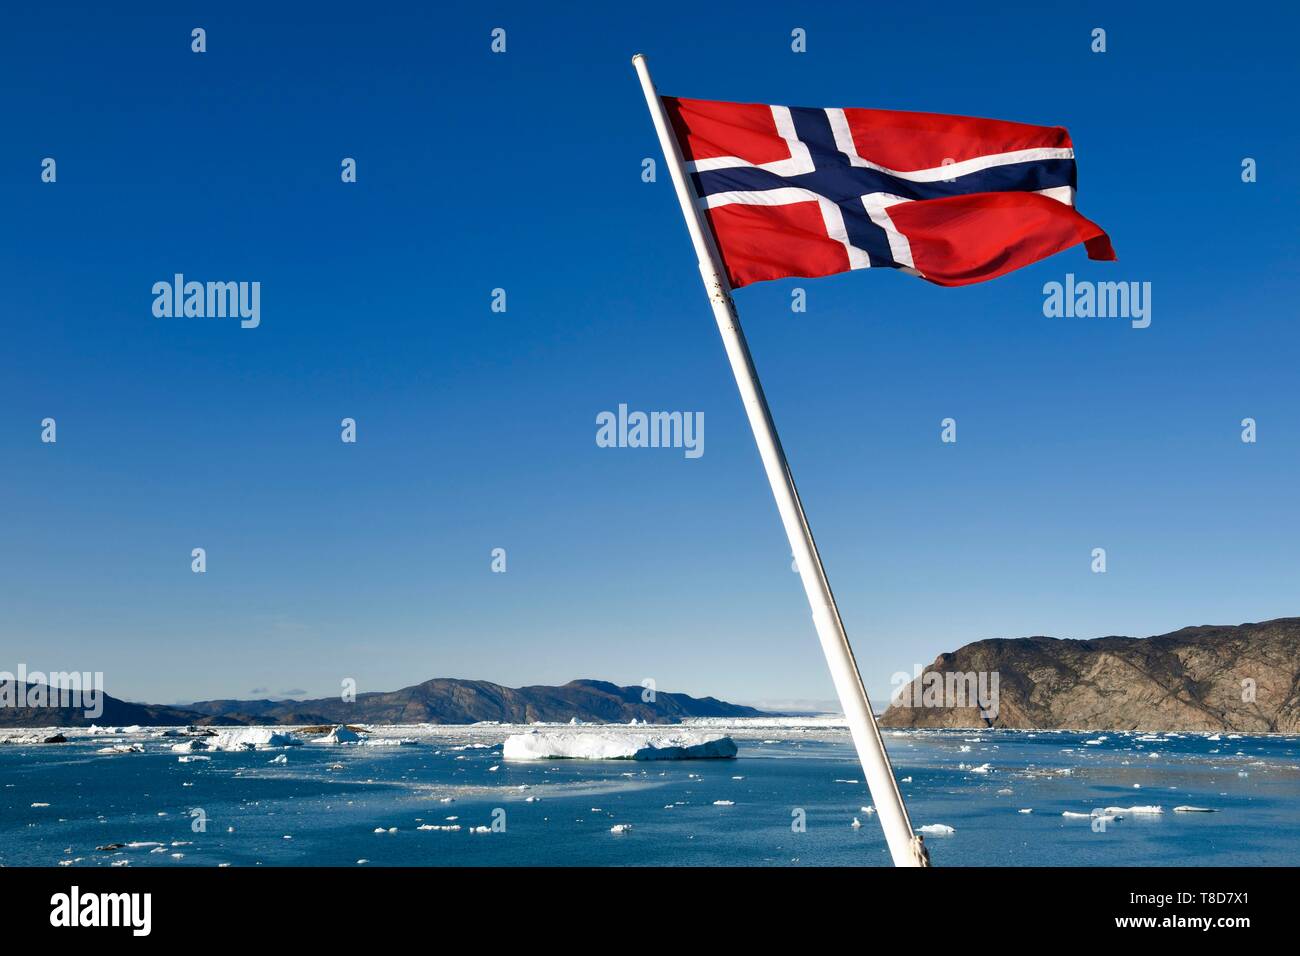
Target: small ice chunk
[[940, 829]]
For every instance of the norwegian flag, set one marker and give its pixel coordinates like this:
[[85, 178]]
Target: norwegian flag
[[791, 191]]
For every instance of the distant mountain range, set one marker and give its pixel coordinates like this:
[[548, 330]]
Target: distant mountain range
[[437, 701], [1243, 678]]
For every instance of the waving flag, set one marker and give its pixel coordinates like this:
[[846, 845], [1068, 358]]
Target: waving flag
[[790, 191]]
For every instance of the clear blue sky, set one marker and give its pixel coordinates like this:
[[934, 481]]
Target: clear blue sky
[[476, 430]]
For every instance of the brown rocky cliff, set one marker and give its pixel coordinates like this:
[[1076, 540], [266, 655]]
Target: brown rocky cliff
[[1243, 678]]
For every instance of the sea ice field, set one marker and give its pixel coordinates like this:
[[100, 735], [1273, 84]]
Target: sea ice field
[[793, 795]]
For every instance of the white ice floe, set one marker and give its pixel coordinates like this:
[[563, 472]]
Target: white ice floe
[[724, 803], [339, 735], [449, 828], [1071, 815], [620, 828], [856, 824], [122, 749], [250, 738], [1195, 810], [939, 829], [280, 758], [189, 746], [1026, 810], [194, 758], [1142, 810], [616, 745]]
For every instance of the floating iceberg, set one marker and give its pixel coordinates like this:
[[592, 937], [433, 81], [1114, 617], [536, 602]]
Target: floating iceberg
[[339, 735], [1194, 810], [1145, 810], [616, 745], [250, 738], [939, 829]]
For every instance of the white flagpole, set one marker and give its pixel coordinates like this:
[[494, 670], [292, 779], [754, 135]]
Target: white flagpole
[[905, 848]]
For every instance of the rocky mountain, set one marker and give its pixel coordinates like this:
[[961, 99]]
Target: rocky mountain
[[438, 701], [117, 712], [1243, 678]]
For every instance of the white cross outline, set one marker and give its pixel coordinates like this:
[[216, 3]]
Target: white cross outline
[[876, 204]]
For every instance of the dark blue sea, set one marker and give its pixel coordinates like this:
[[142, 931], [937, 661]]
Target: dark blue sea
[[791, 797]]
